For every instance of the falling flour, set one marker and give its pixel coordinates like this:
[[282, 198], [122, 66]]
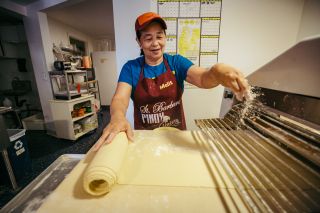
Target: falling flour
[[248, 106]]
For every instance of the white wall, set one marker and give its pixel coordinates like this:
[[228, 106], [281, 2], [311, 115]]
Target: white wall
[[310, 20], [60, 32], [254, 32], [306, 15], [304, 73], [125, 13], [104, 63]]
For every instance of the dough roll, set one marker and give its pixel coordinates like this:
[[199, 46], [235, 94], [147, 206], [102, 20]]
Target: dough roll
[[101, 173]]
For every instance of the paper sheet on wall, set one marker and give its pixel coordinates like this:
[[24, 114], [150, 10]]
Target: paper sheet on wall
[[193, 29]]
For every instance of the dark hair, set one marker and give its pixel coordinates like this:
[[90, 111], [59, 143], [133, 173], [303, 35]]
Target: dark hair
[[138, 33]]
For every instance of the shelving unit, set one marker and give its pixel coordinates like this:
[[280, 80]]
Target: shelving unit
[[95, 90], [64, 86], [66, 120]]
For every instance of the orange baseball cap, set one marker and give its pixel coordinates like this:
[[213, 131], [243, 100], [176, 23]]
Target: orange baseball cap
[[146, 18]]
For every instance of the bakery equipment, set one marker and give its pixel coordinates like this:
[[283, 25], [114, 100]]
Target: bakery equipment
[[270, 147], [75, 62], [62, 65]]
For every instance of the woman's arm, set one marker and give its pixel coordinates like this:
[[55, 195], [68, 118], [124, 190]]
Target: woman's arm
[[220, 73], [118, 122]]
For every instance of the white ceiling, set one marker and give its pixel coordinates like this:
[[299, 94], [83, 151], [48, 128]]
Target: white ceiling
[[93, 17]]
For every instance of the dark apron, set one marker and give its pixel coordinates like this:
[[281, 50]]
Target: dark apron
[[157, 102]]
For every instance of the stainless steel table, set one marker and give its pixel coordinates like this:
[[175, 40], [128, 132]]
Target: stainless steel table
[[32, 196]]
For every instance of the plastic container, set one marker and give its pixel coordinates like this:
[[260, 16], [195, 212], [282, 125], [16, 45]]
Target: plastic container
[[89, 122], [86, 61], [18, 155], [34, 122]]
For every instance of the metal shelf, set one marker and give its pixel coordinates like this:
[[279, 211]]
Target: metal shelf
[[62, 86]]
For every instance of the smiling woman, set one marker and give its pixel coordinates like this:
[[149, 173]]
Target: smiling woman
[[155, 83]]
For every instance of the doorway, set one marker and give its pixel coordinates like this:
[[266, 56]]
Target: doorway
[[87, 27], [18, 88]]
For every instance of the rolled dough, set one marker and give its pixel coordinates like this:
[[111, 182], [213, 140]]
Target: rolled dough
[[104, 165]]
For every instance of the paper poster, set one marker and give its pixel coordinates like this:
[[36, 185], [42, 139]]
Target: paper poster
[[193, 28], [189, 38]]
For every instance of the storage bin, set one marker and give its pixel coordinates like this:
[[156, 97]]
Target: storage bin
[[18, 155], [34, 122]]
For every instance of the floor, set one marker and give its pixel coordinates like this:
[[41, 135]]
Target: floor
[[45, 149]]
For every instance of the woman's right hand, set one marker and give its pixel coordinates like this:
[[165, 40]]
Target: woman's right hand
[[116, 125]]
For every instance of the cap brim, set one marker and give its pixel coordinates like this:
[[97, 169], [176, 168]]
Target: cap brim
[[159, 20]]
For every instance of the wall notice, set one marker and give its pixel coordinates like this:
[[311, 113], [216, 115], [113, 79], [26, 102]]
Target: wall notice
[[193, 28]]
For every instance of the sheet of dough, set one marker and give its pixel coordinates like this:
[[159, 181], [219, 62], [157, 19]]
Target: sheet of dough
[[163, 171], [172, 158], [70, 197]]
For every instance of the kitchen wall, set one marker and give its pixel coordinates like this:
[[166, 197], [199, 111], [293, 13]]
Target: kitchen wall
[[254, 32], [309, 25], [304, 72], [290, 22], [60, 32], [125, 14], [40, 44]]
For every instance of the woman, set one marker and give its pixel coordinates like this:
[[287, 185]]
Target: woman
[[154, 81]]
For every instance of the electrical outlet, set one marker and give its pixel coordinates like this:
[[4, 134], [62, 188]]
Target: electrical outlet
[[45, 76]]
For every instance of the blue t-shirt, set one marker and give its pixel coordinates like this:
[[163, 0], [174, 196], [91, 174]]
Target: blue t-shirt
[[130, 72]]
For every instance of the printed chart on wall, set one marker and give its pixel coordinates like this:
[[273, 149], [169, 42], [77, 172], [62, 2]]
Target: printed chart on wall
[[193, 29]]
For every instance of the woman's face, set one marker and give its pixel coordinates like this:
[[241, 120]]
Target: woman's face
[[152, 42]]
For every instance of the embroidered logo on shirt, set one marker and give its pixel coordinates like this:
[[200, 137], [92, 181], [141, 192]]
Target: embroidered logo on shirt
[[165, 85]]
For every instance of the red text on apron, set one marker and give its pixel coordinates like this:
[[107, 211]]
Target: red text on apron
[[157, 102]]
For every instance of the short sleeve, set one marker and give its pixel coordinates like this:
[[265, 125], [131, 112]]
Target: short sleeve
[[126, 74], [182, 65]]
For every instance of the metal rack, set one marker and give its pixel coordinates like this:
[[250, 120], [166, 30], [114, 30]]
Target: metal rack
[[273, 163], [68, 85], [94, 89]]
